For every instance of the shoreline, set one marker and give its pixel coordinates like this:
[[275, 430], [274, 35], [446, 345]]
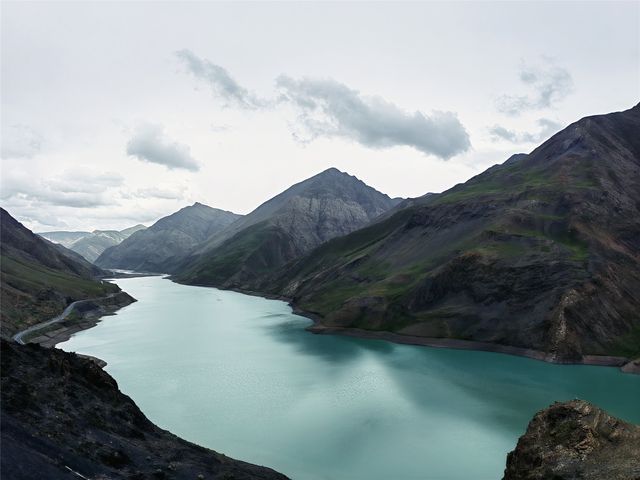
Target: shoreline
[[456, 344], [624, 364], [98, 309]]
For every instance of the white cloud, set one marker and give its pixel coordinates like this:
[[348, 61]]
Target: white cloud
[[331, 109], [546, 129], [150, 144], [547, 84], [222, 84], [76, 189]]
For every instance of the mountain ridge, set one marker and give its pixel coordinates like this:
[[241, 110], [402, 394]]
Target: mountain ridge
[[329, 204], [172, 236], [519, 255], [91, 244]]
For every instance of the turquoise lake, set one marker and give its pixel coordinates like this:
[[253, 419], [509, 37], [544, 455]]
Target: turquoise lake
[[239, 374]]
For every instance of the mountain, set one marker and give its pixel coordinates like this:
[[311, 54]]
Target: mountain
[[39, 279], [64, 238], [541, 252], [173, 236], [63, 417], [285, 227], [575, 440], [91, 244]]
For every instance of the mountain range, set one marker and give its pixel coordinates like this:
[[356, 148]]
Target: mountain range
[[90, 244], [541, 252]]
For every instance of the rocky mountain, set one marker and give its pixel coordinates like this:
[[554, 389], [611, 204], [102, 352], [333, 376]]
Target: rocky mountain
[[541, 252], [173, 236], [39, 279], [91, 244], [327, 205], [576, 440], [63, 417]]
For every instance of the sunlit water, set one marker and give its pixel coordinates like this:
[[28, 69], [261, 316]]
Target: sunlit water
[[239, 374]]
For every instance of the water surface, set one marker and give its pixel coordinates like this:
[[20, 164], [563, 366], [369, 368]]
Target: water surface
[[240, 375]]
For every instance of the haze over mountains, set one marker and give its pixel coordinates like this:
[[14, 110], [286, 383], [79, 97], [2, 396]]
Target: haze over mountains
[[91, 244], [173, 236]]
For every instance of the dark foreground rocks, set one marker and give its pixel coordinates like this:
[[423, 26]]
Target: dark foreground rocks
[[576, 440], [63, 417]]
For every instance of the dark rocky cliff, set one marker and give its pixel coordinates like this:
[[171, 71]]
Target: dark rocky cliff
[[63, 414]]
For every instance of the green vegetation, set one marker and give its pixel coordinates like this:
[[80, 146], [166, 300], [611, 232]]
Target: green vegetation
[[32, 277], [251, 241], [628, 345]]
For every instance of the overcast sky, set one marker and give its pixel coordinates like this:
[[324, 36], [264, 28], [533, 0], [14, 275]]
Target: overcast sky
[[119, 113]]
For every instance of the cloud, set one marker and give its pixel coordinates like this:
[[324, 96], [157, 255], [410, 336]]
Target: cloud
[[547, 129], [547, 83], [84, 181], [160, 192], [20, 141], [331, 109], [221, 82], [75, 189], [150, 144]]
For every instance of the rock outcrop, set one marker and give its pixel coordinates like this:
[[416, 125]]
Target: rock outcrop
[[576, 440]]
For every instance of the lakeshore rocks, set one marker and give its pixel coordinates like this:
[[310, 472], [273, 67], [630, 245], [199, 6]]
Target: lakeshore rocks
[[576, 440]]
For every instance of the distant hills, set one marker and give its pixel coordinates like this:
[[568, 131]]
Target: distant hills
[[541, 252], [283, 228], [91, 244], [171, 237], [39, 278]]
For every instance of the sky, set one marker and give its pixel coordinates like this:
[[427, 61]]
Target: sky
[[118, 113]]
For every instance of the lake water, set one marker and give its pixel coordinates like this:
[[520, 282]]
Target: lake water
[[239, 374]]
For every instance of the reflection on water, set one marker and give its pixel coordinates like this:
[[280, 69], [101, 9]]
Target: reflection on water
[[241, 375]]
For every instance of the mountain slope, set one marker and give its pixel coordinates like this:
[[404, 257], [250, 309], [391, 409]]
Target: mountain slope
[[91, 244], [289, 225], [63, 414], [542, 252], [172, 236], [39, 278]]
